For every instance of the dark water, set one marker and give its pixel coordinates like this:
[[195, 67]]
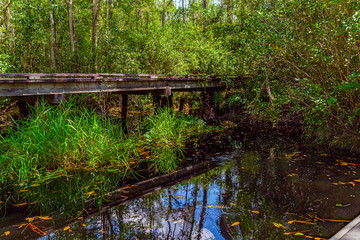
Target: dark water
[[255, 193]]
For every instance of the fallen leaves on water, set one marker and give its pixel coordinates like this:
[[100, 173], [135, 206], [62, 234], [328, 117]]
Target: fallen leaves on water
[[220, 207], [6, 233], [344, 183], [255, 212], [209, 206], [292, 174], [341, 163], [170, 220], [235, 223], [22, 225], [45, 218], [313, 216], [20, 204], [233, 204], [30, 219], [293, 233], [178, 221], [299, 221], [279, 225], [66, 228], [101, 231], [335, 220]]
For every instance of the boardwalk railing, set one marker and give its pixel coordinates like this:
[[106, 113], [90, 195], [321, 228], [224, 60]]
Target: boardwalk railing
[[35, 84]]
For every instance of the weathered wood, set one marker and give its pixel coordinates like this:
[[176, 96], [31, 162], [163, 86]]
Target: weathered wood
[[23, 108], [20, 84], [156, 103], [124, 110], [181, 104]]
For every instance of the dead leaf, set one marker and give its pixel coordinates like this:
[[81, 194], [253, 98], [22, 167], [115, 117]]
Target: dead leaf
[[279, 225], [20, 204], [66, 228], [235, 223], [298, 221]]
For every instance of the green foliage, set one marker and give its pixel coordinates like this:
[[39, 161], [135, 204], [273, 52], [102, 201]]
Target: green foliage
[[69, 137], [61, 138], [305, 53], [166, 134]]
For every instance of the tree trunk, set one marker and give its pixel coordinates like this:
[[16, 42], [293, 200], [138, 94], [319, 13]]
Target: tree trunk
[[5, 18], [53, 39], [163, 14], [110, 13], [71, 26], [229, 11], [95, 21], [204, 4]]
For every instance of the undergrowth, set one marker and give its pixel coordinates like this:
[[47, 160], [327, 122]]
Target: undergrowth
[[68, 137]]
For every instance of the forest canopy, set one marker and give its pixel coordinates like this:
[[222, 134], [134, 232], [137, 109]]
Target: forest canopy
[[302, 57]]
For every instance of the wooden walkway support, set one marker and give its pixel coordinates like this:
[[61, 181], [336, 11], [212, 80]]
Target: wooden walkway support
[[25, 87], [38, 84]]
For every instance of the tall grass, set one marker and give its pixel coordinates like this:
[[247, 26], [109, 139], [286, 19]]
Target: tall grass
[[69, 137], [63, 137]]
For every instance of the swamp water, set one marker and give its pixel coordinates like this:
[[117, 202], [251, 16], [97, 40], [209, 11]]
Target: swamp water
[[259, 190]]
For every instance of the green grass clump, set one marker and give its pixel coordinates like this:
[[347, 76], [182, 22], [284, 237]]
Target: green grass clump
[[68, 137], [63, 137], [167, 132]]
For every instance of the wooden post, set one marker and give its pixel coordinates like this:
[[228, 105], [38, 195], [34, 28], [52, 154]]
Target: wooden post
[[170, 100], [164, 102], [124, 108], [156, 102], [23, 108], [181, 105]]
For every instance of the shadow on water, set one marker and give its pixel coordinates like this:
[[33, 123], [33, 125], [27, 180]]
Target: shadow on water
[[261, 190]]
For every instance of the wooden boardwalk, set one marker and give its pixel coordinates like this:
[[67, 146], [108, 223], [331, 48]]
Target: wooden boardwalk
[[20, 84], [26, 87]]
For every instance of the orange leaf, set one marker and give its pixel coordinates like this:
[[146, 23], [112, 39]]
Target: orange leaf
[[6, 233], [336, 220], [20, 204], [66, 228], [235, 223], [297, 221]]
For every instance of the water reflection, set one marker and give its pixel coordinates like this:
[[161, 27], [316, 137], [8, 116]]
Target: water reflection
[[269, 191]]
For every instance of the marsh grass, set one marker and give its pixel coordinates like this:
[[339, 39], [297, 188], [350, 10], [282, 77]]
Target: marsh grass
[[63, 137], [55, 142]]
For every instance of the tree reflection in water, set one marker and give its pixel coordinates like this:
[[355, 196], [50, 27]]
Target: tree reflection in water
[[257, 188]]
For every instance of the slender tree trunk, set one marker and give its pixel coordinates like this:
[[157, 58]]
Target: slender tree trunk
[[53, 39], [204, 4], [71, 27], [163, 14], [229, 11], [95, 21], [5, 16], [110, 13]]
